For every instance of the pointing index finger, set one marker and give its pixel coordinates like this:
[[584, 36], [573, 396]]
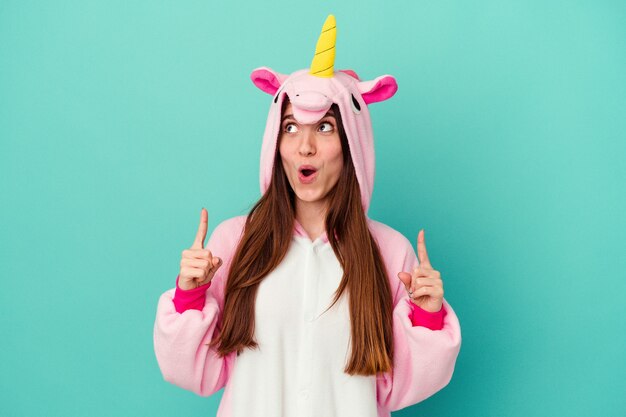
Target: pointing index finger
[[422, 254], [202, 229]]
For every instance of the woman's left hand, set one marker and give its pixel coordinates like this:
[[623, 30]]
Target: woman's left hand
[[424, 285]]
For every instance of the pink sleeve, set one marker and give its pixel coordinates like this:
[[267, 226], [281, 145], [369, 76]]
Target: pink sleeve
[[184, 328], [421, 317], [190, 299], [426, 345]]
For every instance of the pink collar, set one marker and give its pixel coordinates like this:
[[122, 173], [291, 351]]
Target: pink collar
[[300, 231]]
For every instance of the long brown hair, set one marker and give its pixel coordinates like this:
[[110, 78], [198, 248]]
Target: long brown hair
[[266, 238]]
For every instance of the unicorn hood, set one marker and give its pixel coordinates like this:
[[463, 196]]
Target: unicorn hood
[[311, 92]]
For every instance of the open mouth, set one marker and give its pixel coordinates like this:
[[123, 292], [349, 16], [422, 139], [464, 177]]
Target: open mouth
[[307, 174], [307, 170]]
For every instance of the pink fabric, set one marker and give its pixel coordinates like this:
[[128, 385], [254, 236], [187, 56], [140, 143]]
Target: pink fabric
[[379, 89], [266, 81], [351, 73], [421, 317], [189, 299], [424, 359]]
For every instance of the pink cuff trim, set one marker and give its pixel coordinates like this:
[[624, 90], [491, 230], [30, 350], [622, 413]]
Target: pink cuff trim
[[421, 317], [190, 299]]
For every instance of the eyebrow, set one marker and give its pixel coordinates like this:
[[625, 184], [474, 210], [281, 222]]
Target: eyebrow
[[328, 113]]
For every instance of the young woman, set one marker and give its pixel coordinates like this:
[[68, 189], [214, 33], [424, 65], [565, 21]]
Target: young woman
[[305, 306]]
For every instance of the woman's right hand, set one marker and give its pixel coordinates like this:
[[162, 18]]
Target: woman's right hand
[[198, 265]]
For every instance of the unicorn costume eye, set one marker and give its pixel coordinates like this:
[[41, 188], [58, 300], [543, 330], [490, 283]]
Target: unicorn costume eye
[[356, 107]]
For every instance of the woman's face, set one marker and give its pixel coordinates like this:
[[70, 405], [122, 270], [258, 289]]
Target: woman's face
[[311, 155]]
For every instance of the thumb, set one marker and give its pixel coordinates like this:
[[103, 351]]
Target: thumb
[[405, 277], [215, 264]]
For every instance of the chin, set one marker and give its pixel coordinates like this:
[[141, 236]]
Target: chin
[[310, 197]]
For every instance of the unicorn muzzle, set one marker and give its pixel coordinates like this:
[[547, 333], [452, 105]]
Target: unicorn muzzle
[[311, 101], [309, 106]]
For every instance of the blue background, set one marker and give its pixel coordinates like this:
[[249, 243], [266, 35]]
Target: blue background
[[506, 142]]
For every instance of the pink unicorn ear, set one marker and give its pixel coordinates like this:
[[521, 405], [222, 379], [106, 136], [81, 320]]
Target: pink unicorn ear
[[379, 89], [267, 80]]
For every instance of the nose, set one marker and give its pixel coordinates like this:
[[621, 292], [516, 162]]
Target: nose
[[307, 145]]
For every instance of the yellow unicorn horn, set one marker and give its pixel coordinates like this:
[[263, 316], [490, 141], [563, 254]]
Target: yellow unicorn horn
[[324, 59]]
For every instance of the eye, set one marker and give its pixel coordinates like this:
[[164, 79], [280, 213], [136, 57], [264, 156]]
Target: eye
[[326, 127], [290, 128]]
